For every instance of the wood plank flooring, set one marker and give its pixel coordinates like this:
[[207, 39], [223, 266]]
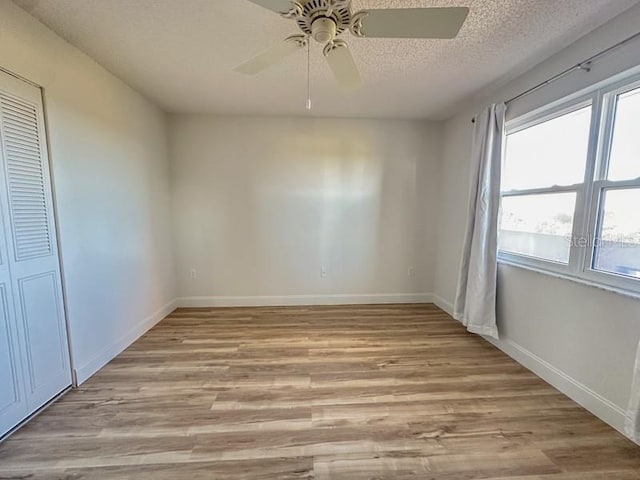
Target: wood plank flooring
[[348, 392]]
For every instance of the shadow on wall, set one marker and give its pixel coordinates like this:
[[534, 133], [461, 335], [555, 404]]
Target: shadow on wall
[[263, 205], [332, 195]]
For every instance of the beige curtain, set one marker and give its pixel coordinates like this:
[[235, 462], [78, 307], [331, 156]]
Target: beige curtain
[[632, 420], [475, 304]]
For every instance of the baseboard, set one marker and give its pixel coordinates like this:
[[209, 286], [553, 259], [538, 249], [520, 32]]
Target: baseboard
[[442, 303], [111, 351], [288, 300], [602, 408]]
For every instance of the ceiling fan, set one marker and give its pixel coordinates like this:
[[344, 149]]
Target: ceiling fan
[[324, 20]]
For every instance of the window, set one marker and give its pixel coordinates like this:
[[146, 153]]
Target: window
[[538, 225], [545, 163], [619, 232], [571, 188]]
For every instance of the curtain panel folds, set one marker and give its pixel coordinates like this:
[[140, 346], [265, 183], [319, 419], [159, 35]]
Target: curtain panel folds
[[475, 304]]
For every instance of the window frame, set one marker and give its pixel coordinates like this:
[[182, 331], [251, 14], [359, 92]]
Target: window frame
[[590, 193]]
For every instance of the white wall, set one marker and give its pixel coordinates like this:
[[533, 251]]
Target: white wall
[[111, 178], [581, 339], [262, 204]]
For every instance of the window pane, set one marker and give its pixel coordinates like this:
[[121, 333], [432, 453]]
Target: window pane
[[618, 246], [624, 162], [550, 153], [538, 225]]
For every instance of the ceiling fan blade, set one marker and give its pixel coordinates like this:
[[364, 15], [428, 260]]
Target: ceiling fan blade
[[341, 62], [278, 6], [444, 22], [273, 55]]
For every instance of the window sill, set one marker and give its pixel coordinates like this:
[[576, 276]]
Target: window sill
[[572, 278]]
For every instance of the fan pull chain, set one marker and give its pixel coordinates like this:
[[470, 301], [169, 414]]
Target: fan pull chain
[[308, 74]]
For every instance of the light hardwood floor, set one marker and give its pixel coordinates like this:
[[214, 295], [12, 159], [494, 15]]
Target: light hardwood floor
[[353, 392]]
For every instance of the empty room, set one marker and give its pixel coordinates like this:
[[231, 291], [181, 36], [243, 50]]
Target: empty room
[[320, 239]]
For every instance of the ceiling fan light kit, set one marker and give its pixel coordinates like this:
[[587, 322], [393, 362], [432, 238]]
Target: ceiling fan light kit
[[325, 20], [323, 30]]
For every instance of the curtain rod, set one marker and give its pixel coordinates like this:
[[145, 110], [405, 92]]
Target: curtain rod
[[584, 65]]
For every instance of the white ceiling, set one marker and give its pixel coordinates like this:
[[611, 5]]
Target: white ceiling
[[180, 53]]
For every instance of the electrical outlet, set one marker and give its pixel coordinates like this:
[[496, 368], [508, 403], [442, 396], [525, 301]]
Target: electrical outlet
[[323, 272], [193, 274], [411, 271]]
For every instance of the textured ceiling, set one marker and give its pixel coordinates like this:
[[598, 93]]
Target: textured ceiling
[[180, 53]]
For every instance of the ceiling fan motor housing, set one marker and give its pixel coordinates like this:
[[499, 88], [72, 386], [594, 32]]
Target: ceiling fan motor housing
[[316, 15], [323, 29]]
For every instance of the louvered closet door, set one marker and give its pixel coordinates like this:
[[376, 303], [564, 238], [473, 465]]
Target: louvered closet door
[[31, 243], [13, 403]]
